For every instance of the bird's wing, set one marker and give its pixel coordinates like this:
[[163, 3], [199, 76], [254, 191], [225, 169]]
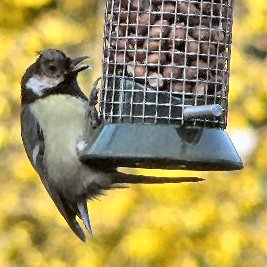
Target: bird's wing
[[33, 139]]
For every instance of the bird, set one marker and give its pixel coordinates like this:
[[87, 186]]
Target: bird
[[55, 114]]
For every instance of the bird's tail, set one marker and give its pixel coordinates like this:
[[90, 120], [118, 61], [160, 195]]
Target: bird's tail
[[118, 178]]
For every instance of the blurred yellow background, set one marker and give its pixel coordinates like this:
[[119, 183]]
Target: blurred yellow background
[[221, 222]]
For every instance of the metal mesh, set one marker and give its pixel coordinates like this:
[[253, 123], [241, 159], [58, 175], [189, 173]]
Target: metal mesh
[[160, 57]]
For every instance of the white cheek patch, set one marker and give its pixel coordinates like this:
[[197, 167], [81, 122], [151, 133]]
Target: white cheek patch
[[38, 83]]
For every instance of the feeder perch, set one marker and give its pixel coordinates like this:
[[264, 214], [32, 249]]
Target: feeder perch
[[164, 97]]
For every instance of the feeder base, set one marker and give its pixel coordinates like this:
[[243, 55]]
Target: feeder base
[[161, 146]]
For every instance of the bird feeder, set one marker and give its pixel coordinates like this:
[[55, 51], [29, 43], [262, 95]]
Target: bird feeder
[[165, 84]]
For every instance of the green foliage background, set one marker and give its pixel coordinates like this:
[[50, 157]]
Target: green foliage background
[[221, 222]]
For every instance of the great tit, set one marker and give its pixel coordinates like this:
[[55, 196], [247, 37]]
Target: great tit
[[53, 110]]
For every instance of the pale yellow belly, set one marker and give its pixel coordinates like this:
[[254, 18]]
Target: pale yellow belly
[[62, 119]]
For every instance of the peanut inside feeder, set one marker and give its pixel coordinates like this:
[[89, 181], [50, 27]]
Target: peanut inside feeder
[[165, 86], [172, 53]]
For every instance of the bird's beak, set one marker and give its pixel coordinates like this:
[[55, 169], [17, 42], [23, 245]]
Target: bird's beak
[[75, 67]]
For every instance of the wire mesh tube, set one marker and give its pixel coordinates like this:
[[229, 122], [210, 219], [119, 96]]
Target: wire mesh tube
[[161, 57]]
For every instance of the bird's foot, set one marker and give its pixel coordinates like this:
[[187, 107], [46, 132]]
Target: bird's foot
[[92, 113], [93, 98]]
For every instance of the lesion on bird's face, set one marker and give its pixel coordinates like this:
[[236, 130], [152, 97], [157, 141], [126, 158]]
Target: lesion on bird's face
[[53, 64], [51, 69]]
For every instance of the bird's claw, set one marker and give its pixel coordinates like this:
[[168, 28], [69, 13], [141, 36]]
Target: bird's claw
[[93, 98], [92, 115]]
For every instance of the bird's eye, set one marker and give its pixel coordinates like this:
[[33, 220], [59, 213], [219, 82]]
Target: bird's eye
[[52, 68]]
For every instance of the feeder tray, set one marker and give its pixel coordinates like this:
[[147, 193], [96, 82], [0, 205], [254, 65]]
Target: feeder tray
[[165, 86]]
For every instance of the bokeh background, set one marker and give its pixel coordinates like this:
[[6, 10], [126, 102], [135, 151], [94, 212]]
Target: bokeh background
[[221, 222]]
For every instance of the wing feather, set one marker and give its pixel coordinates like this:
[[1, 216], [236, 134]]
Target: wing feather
[[33, 140]]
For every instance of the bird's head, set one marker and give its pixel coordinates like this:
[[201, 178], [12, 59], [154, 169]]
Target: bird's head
[[55, 64], [51, 69]]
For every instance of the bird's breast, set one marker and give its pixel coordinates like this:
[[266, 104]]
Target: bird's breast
[[62, 119]]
